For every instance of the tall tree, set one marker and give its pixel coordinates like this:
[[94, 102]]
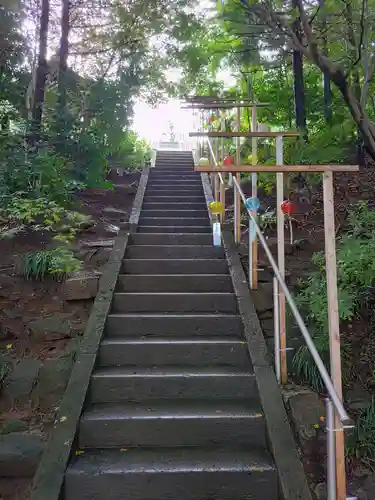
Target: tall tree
[[298, 80], [41, 69]]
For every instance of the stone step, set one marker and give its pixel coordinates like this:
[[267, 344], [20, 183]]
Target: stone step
[[179, 213], [171, 239], [173, 474], [175, 205], [174, 252], [175, 266], [176, 325], [119, 384], [173, 191], [143, 228], [181, 200], [208, 302], [177, 180], [166, 174], [175, 221], [188, 351], [172, 423], [174, 283]]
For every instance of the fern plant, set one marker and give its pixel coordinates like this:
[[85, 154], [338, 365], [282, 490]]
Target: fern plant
[[58, 263]]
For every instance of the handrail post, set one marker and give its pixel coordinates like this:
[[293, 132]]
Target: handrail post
[[237, 198], [333, 325], [281, 258], [254, 194], [276, 322], [331, 451]]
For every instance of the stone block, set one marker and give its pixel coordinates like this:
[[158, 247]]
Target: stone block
[[81, 286], [19, 454], [20, 382], [53, 380]]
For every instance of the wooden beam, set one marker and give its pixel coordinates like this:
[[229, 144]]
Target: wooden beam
[[277, 168], [237, 197], [281, 259], [228, 105], [254, 193], [244, 134], [333, 324]]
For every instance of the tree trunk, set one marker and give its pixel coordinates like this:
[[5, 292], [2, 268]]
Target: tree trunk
[[327, 91], [61, 118], [41, 70], [298, 84]]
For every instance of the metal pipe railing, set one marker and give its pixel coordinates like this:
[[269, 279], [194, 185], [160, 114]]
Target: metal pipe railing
[[344, 417], [334, 404]]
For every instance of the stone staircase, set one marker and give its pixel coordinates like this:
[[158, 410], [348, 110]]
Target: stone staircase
[[173, 411]]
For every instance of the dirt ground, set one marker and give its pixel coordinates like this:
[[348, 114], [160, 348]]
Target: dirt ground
[[27, 308]]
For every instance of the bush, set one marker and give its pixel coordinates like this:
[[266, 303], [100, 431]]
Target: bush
[[355, 273], [58, 263]]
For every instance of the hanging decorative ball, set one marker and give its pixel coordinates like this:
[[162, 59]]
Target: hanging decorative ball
[[253, 160], [252, 204], [228, 160], [216, 208], [287, 207], [211, 119], [204, 161]]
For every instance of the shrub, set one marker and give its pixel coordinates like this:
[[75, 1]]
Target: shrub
[[58, 263], [355, 273]]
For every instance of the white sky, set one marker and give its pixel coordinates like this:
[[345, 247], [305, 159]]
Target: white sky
[[152, 123]]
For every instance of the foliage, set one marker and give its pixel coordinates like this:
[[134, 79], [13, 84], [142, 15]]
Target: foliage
[[356, 275], [361, 444], [42, 214], [58, 263]]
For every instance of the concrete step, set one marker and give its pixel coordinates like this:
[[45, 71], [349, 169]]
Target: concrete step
[[160, 351], [172, 423], [174, 252], [174, 205], [143, 228], [174, 283], [170, 176], [171, 239], [175, 221], [176, 266], [177, 180], [176, 325], [174, 191], [181, 200], [182, 213], [173, 474], [210, 302], [119, 384]]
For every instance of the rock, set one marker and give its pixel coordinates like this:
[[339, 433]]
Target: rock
[[81, 286], [263, 297], [51, 327], [321, 491], [53, 379], [306, 411], [358, 398], [367, 491], [98, 243], [20, 382], [111, 229], [19, 454], [268, 327], [100, 257], [14, 426], [12, 313], [113, 210]]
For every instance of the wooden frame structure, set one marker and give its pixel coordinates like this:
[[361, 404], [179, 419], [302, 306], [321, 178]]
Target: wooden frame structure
[[280, 169]]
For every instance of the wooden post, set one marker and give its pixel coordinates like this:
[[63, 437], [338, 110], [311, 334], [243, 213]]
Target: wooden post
[[333, 325], [281, 258], [222, 199], [237, 198], [254, 194]]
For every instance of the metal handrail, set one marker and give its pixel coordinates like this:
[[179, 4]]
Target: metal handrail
[[215, 160], [339, 407]]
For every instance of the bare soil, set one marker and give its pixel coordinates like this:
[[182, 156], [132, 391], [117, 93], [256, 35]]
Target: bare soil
[[22, 302]]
